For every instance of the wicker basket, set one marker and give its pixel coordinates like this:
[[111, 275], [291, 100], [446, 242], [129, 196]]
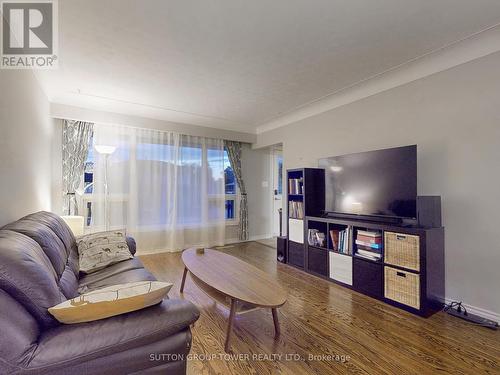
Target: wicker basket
[[402, 250], [402, 287]]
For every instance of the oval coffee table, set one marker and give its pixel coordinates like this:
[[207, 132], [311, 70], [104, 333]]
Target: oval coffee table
[[237, 285]]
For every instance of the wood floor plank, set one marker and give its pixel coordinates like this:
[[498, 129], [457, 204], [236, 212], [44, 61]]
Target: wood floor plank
[[321, 320]]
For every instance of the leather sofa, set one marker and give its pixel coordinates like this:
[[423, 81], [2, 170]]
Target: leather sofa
[[39, 269]]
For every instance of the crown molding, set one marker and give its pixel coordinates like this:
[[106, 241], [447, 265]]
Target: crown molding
[[460, 52], [69, 112]]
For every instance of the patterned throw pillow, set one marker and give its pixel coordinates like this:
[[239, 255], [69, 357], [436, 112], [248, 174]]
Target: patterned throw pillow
[[99, 250], [110, 301]]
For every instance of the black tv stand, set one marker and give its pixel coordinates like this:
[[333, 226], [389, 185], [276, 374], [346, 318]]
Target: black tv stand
[[408, 272]]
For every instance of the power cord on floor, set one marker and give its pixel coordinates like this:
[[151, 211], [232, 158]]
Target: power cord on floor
[[458, 305], [457, 309]]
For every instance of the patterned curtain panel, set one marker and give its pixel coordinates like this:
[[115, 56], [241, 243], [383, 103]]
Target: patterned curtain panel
[[75, 146], [234, 153]]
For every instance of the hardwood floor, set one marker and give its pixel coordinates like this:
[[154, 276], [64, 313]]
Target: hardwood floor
[[325, 329]]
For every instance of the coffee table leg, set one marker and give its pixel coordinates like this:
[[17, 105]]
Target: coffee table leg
[[276, 322], [183, 279], [230, 324]]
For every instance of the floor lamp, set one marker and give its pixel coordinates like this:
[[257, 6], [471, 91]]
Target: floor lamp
[[106, 151]]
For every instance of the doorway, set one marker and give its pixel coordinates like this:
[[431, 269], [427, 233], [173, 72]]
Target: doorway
[[277, 191]]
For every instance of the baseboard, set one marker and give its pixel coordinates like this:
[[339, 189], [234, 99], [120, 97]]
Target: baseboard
[[477, 310], [162, 251], [231, 241], [261, 237], [227, 242], [152, 252]]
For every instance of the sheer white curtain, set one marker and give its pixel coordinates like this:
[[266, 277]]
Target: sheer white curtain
[[166, 189]]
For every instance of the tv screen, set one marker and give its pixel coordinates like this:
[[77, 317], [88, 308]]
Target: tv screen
[[381, 183]]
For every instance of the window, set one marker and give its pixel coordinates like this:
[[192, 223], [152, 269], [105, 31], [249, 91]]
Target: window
[[191, 158], [231, 190], [88, 185], [280, 175]]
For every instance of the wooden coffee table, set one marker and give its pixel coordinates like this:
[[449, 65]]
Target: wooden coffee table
[[235, 284]]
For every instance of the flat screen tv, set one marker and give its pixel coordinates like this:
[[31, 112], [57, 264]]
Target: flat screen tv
[[373, 183]]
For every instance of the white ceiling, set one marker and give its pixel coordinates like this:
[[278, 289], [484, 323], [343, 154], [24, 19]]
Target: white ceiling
[[235, 64]]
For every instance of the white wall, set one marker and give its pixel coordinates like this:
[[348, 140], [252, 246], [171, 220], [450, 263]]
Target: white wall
[[57, 192], [25, 144], [454, 117]]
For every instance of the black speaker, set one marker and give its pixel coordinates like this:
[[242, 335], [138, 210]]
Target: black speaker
[[281, 249], [429, 211]]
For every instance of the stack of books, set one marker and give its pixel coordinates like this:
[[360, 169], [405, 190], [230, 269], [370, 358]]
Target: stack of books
[[296, 210], [295, 186], [369, 245], [316, 238], [340, 240]]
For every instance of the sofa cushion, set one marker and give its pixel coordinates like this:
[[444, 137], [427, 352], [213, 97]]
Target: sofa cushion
[[114, 269], [127, 276], [98, 343], [19, 334], [27, 274], [58, 226], [46, 238], [64, 264], [137, 360], [68, 282]]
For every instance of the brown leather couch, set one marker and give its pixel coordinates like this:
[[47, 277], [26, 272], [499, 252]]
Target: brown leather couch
[[39, 269]]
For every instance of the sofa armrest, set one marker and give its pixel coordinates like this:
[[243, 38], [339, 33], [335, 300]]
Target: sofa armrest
[[131, 245], [72, 345]]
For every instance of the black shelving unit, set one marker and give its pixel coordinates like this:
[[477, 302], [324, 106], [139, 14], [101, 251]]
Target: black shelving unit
[[344, 267], [309, 193], [367, 276]]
